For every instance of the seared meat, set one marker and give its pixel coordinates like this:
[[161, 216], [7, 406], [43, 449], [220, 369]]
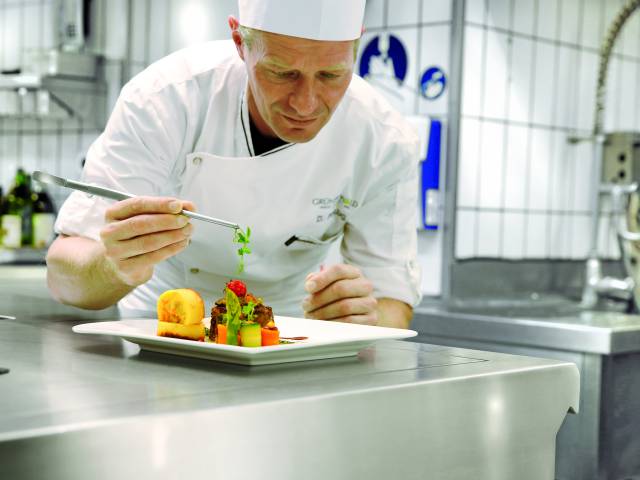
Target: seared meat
[[263, 314]]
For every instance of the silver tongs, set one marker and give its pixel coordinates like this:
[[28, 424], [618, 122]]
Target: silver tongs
[[44, 177]]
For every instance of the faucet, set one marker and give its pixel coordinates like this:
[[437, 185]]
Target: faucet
[[595, 284]]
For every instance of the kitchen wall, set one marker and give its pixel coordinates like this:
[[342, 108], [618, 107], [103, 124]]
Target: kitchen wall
[[129, 34], [55, 146], [421, 30], [529, 83]]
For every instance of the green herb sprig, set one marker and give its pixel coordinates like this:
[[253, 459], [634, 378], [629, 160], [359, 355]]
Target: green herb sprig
[[247, 311], [242, 239]]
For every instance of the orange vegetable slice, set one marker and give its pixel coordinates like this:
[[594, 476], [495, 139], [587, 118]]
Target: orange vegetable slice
[[222, 333], [270, 336]]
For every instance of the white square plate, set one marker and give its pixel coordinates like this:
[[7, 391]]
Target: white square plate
[[325, 340]]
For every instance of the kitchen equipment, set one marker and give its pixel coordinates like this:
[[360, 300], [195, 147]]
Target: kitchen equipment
[[44, 177], [614, 161]]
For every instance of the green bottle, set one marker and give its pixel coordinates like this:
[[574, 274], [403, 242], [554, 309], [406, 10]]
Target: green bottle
[[16, 218], [43, 217], [2, 202]]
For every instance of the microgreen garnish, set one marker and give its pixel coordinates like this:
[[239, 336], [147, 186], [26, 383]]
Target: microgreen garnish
[[247, 311], [242, 239]]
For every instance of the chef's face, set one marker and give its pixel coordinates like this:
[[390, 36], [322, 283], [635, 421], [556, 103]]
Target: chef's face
[[295, 84]]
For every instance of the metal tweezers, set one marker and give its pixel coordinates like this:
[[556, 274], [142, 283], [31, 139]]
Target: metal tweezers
[[44, 177]]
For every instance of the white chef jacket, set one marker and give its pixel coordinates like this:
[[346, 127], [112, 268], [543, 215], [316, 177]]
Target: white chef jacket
[[355, 182]]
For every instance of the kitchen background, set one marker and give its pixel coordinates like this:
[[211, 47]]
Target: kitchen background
[[526, 84]]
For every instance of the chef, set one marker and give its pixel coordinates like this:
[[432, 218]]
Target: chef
[[270, 130]]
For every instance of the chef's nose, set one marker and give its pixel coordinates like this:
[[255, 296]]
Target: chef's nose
[[304, 98]]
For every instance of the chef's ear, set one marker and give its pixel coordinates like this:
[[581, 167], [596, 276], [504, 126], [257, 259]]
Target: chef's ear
[[236, 35]]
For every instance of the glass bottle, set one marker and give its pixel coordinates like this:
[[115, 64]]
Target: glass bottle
[[16, 218], [2, 201], [43, 218]]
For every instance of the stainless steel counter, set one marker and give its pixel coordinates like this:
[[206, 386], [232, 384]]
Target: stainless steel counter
[[549, 322], [77, 406], [604, 440]]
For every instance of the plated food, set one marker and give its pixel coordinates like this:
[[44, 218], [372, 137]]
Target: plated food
[[237, 318], [180, 314]]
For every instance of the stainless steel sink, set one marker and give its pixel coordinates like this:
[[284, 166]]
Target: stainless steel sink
[[534, 306]]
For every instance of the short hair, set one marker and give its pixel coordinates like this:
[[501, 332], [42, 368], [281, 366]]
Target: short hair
[[252, 37]]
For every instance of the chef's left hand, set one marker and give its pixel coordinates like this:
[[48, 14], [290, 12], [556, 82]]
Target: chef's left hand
[[340, 293]]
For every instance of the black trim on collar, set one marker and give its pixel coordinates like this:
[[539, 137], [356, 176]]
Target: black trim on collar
[[277, 149], [244, 128], [246, 137]]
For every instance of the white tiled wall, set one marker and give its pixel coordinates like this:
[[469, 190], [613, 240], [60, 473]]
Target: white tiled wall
[[157, 28], [424, 28], [530, 71]]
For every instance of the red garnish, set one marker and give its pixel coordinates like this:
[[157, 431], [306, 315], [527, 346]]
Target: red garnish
[[237, 287]]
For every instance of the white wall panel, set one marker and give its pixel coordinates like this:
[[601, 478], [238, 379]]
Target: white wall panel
[[11, 31], [580, 236], [525, 16], [159, 19], [495, 73], [520, 86], [499, 14], [516, 166], [435, 51], [569, 12], [537, 236], [137, 47], [488, 242], [466, 234], [547, 24], [565, 87], [490, 186], [539, 172], [116, 40], [512, 240], [468, 162], [581, 176], [436, 11], [592, 27], [473, 61], [402, 13], [375, 13], [544, 81]]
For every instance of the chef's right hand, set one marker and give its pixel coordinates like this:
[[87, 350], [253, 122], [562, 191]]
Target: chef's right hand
[[141, 232]]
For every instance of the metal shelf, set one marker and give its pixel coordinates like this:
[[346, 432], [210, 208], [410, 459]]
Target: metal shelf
[[56, 85], [22, 256]]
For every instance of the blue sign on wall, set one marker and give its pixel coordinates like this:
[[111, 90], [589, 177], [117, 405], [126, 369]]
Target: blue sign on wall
[[433, 83], [388, 51]]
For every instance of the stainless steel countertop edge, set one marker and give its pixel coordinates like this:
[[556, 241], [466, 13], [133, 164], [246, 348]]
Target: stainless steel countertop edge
[[438, 322], [543, 365]]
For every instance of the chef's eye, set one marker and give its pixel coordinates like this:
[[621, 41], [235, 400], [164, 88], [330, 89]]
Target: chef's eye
[[329, 76], [284, 75]]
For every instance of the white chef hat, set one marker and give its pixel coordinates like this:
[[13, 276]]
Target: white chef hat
[[333, 20]]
